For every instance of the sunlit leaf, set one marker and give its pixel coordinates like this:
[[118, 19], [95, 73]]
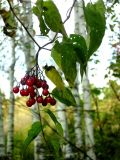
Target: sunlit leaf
[[54, 76]]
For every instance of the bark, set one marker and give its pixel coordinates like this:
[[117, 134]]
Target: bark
[[10, 135], [77, 112], [29, 50], [39, 151], [80, 28], [2, 137], [67, 151], [89, 133]]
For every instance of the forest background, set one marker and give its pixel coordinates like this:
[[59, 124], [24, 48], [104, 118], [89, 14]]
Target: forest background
[[85, 121]]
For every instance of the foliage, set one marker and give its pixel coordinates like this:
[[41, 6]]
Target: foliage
[[66, 53]]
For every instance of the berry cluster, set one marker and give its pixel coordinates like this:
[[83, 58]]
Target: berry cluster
[[32, 83]]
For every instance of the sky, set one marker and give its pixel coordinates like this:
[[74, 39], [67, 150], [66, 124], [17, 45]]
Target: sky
[[104, 53]]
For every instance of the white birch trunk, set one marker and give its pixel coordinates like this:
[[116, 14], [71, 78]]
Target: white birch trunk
[[80, 28], [89, 133], [29, 50], [2, 137], [77, 112], [39, 151], [10, 135], [67, 151]]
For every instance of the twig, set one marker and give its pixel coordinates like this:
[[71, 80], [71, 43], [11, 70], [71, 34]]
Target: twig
[[70, 11], [114, 90]]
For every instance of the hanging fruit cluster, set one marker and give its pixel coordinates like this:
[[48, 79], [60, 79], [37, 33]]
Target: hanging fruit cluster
[[34, 85]]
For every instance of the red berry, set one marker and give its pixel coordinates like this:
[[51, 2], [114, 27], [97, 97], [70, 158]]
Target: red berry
[[39, 99], [49, 99], [26, 92], [22, 92], [23, 81], [30, 102], [31, 89], [45, 92], [53, 102], [30, 82], [38, 84], [32, 94], [16, 89], [44, 84], [44, 103]]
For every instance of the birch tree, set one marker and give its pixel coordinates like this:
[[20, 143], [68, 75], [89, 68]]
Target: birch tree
[[67, 151], [80, 28], [78, 109], [29, 50], [2, 136], [10, 135]]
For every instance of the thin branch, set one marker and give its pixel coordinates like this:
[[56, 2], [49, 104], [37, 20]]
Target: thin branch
[[114, 90], [70, 11]]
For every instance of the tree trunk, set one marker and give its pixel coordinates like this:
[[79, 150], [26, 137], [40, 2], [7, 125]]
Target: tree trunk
[[10, 135], [2, 137], [78, 109], [89, 133], [67, 151], [29, 50], [80, 28]]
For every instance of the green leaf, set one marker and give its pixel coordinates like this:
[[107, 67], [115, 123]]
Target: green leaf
[[80, 48], [55, 54], [32, 134], [52, 17], [54, 76], [65, 56], [57, 124], [37, 10], [96, 91], [64, 95], [95, 18]]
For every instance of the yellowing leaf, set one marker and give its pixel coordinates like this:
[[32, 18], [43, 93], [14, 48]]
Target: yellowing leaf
[[54, 76]]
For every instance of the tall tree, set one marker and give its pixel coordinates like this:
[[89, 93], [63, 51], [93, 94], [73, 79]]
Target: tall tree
[[10, 135], [80, 28], [29, 50], [67, 151], [2, 136]]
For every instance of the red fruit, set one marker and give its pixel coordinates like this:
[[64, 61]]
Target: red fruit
[[44, 84], [44, 103], [49, 99], [23, 81], [32, 94], [16, 89], [53, 102], [39, 99], [31, 89], [45, 92], [30, 102], [38, 84], [30, 82], [22, 92], [26, 92]]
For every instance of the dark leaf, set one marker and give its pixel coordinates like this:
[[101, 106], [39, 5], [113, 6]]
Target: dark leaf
[[64, 95]]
